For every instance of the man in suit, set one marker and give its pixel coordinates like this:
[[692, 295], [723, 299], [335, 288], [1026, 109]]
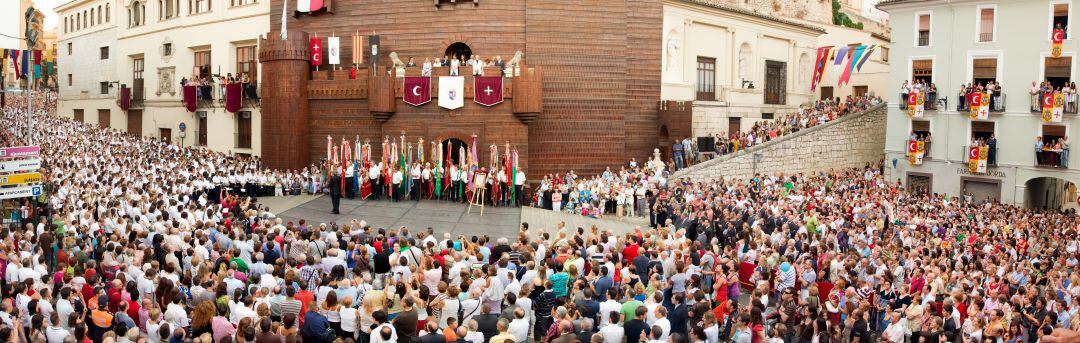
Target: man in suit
[[334, 184]]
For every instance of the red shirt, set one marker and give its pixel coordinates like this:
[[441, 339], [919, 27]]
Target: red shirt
[[306, 298], [630, 252], [133, 310], [114, 299]]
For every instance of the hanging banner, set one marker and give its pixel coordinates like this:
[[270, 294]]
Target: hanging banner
[[20, 192], [306, 6], [333, 50], [973, 159], [913, 151], [232, 97], [487, 90], [920, 151], [819, 64], [912, 100], [975, 103], [984, 105], [451, 92], [316, 51], [984, 152], [1048, 107], [358, 49], [417, 90], [20, 179], [20, 151], [1058, 38], [1059, 107], [189, 98]]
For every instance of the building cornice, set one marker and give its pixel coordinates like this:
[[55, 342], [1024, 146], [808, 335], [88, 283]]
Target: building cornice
[[751, 15], [70, 4]]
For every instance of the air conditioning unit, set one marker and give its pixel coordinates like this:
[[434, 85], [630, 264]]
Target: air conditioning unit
[[245, 114], [201, 114]]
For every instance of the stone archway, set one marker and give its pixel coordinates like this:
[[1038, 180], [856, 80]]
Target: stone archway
[[454, 145], [459, 50], [1047, 192]]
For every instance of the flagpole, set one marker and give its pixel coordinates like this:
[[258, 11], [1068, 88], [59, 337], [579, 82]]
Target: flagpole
[[29, 103]]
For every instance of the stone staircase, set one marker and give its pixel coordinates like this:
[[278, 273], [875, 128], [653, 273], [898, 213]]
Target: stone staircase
[[850, 141]]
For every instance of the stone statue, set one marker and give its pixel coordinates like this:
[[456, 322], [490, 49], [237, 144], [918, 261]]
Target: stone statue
[[672, 51], [512, 65], [656, 163], [398, 65]]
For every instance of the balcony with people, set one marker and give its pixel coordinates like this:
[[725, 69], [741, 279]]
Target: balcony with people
[[212, 90], [929, 91], [1052, 148], [988, 93], [1046, 93]]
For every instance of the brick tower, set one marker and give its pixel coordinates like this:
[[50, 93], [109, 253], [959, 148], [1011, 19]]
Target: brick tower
[[285, 111]]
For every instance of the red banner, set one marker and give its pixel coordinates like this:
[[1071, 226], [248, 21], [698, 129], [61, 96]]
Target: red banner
[[912, 99], [417, 90], [232, 96], [316, 51], [1058, 37], [1048, 100], [912, 147], [352, 74], [487, 90], [125, 98], [975, 99]]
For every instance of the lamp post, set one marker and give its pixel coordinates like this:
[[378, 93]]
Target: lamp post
[[31, 42]]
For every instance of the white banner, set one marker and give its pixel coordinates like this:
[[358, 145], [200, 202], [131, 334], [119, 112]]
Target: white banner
[[30, 164], [451, 92], [333, 48], [20, 192]]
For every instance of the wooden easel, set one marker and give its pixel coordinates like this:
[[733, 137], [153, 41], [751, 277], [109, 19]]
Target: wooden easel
[[479, 189]]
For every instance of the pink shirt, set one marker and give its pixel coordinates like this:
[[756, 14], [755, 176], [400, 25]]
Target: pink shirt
[[222, 327]]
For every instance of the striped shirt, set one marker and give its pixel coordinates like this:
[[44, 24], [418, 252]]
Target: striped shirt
[[291, 306]]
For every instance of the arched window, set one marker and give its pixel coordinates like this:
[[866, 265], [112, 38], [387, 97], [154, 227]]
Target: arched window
[[108, 12], [459, 50], [91, 17], [78, 18], [804, 68], [99, 14], [745, 62], [65, 25]]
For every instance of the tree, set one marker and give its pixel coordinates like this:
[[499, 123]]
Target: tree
[[841, 18]]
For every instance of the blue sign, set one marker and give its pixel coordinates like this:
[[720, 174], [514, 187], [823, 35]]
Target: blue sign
[[183, 127]]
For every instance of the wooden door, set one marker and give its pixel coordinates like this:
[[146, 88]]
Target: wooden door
[[104, 118], [165, 134], [775, 82], [79, 116], [134, 124], [826, 93], [734, 125]]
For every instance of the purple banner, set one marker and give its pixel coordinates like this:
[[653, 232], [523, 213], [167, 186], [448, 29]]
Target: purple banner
[[20, 151]]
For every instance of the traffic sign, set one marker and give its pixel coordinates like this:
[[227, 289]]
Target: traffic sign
[[183, 127], [20, 151], [30, 164], [19, 179], [20, 192]]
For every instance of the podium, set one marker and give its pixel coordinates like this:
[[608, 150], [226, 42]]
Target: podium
[[479, 191]]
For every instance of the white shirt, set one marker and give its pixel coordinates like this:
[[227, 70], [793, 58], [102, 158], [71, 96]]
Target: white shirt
[[605, 310], [664, 324], [520, 329], [376, 336], [612, 333]]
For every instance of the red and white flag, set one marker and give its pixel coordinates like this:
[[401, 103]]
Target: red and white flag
[[487, 90], [417, 90], [308, 5], [316, 51]]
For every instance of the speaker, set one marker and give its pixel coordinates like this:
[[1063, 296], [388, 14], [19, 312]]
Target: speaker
[[706, 144]]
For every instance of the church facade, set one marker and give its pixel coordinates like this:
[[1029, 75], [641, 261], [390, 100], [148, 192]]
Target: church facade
[[581, 81]]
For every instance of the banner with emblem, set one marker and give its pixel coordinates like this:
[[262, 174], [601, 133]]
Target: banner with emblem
[[975, 102], [984, 105], [973, 159], [1057, 39], [920, 104], [487, 90], [333, 50], [417, 90], [920, 151], [1059, 107], [984, 153], [1047, 107], [451, 92], [915, 151], [912, 102], [316, 51]]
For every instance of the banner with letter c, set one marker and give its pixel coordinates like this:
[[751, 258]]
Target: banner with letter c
[[1057, 39], [417, 90]]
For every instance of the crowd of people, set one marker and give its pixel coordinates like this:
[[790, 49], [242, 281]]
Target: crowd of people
[[132, 245], [990, 88], [472, 64], [204, 85]]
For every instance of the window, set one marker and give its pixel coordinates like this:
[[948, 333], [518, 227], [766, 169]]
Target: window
[[202, 63], [199, 6], [706, 78], [166, 49], [137, 14], [168, 9], [202, 128], [768, 116], [884, 54], [137, 66], [78, 20], [69, 48], [108, 12], [826, 92], [104, 87], [922, 70], [1060, 18], [245, 62], [91, 17], [65, 25], [983, 70], [986, 24], [860, 90], [69, 80], [99, 14], [923, 35], [104, 52], [1051, 135], [241, 2], [775, 83]]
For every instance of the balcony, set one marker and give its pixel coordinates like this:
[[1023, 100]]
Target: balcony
[[932, 102], [986, 37], [991, 155], [996, 103], [924, 38], [1068, 107], [1052, 158]]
